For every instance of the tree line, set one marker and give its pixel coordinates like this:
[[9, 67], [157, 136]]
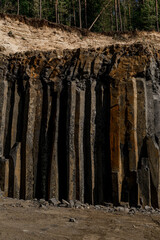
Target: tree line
[[96, 15]]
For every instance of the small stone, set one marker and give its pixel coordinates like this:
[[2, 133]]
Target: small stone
[[62, 205], [72, 220], [132, 211], [124, 204], [110, 210], [42, 206], [148, 208], [108, 204], [78, 204], [54, 201], [65, 202], [120, 209], [126, 210], [10, 34], [42, 201], [97, 207], [71, 203]]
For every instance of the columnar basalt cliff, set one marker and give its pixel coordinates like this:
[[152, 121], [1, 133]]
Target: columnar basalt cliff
[[81, 124]]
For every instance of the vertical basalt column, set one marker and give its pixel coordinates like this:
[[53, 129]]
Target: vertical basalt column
[[132, 140], [115, 143], [123, 143], [132, 124], [3, 108], [89, 142], [62, 146], [92, 139], [15, 116], [99, 143], [71, 155], [6, 177], [106, 166], [53, 168], [141, 116], [37, 128], [43, 163], [9, 118], [79, 125], [27, 184], [144, 196], [15, 170]]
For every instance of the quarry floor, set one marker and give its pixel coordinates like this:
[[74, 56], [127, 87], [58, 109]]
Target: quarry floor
[[21, 220]]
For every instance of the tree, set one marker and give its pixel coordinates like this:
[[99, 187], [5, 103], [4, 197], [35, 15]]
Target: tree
[[80, 15], [147, 15], [116, 15], [17, 7], [56, 10], [120, 17], [40, 9], [86, 13], [157, 22]]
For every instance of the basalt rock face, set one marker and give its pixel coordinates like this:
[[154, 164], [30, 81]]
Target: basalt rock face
[[81, 124]]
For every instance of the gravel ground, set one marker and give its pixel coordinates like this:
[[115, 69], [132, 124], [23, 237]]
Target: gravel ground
[[37, 220]]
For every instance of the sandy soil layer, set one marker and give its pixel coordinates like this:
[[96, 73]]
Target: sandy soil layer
[[20, 36]]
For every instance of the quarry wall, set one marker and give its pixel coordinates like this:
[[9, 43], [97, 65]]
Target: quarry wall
[[81, 124]]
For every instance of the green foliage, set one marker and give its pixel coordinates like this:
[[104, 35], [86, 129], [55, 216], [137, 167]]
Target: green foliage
[[135, 14], [147, 15]]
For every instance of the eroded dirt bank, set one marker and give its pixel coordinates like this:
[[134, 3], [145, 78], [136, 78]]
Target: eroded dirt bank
[[19, 34]]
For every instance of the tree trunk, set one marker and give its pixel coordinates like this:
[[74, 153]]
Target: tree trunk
[[116, 14], [74, 12], [111, 20], [157, 23], [17, 7], [120, 17], [86, 13], [56, 10], [125, 16], [40, 9], [80, 15], [99, 15]]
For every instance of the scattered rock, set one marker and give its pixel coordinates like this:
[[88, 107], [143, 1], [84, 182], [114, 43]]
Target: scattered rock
[[42, 201], [10, 34], [54, 202], [148, 208], [132, 211], [2, 48], [62, 205], [71, 203], [108, 204], [42, 206], [65, 202], [78, 204], [72, 220]]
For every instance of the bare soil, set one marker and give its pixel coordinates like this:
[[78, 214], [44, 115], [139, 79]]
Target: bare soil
[[19, 34], [26, 220]]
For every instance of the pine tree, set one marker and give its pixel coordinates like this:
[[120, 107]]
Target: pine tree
[[147, 15]]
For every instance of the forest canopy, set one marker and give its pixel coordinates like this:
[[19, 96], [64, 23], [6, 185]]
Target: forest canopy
[[98, 15]]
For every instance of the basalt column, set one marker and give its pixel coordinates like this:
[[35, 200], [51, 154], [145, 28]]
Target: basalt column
[[81, 125]]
